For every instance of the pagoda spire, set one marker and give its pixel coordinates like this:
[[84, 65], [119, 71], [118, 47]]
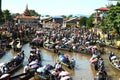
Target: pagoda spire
[[27, 12]]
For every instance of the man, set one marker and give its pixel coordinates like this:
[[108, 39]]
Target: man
[[72, 63], [58, 66]]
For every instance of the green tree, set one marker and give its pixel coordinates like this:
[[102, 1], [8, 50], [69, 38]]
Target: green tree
[[14, 15], [83, 21], [90, 21], [70, 16], [34, 13], [112, 20], [6, 15]]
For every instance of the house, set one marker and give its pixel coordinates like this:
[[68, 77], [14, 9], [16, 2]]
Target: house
[[52, 21], [100, 14], [74, 21]]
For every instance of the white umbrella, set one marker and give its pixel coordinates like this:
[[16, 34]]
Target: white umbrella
[[65, 78], [64, 73], [113, 57], [33, 63], [41, 69], [4, 76]]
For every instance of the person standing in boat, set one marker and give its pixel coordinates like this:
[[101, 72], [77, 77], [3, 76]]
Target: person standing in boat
[[58, 66], [73, 62]]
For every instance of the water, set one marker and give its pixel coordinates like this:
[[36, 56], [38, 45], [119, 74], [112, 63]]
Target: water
[[83, 69]]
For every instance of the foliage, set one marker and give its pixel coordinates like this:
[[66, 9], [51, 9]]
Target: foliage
[[34, 13], [63, 16], [69, 16], [83, 21], [6, 15], [112, 20], [90, 21]]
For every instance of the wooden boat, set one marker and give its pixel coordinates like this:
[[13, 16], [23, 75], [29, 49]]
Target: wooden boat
[[65, 62], [110, 61], [2, 52], [11, 66], [17, 45], [49, 46], [100, 76]]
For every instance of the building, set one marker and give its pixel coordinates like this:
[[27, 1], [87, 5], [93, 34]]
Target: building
[[26, 18], [100, 14], [74, 21], [52, 21]]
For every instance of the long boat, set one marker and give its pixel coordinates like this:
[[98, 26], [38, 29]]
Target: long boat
[[64, 63], [47, 46], [14, 64], [17, 45], [110, 61]]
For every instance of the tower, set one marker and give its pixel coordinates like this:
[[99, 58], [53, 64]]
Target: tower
[[27, 12]]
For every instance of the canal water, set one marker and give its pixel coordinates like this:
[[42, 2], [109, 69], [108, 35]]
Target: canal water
[[83, 69]]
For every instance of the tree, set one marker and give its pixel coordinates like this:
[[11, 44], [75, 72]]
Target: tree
[[90, 21], [70, 16], [112, 20], [83, 21], [34, 13], [14, 15], [6, 15], [63, 16]]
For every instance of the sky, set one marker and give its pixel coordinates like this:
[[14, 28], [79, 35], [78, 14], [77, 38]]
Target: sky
[[55, 7]]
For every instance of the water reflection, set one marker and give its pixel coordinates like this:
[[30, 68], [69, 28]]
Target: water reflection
[[83, 69]]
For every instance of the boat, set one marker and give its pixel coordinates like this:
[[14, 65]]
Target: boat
[[65, 61], [17, 45], [114, 57], [49, 46], [2, 52], [14, 64], [100, 76]]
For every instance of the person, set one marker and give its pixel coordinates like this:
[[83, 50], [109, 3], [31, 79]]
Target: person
[[26, 68], [58, 66], [72, 63]]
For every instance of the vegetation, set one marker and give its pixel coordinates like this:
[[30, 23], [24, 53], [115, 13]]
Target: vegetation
[[112, 20]]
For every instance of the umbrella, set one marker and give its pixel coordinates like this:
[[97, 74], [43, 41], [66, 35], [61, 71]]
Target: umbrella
[[113, 57], [94, 47], [64, 73], [34, 66], [65, 78], [98, 41], [41, 69], [36, 39], [38, 32], [87, 42], [33, 63], [4, 76], [66, 55], [48, 67]]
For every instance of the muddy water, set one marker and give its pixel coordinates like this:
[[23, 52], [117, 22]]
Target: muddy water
[[83, 69]]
